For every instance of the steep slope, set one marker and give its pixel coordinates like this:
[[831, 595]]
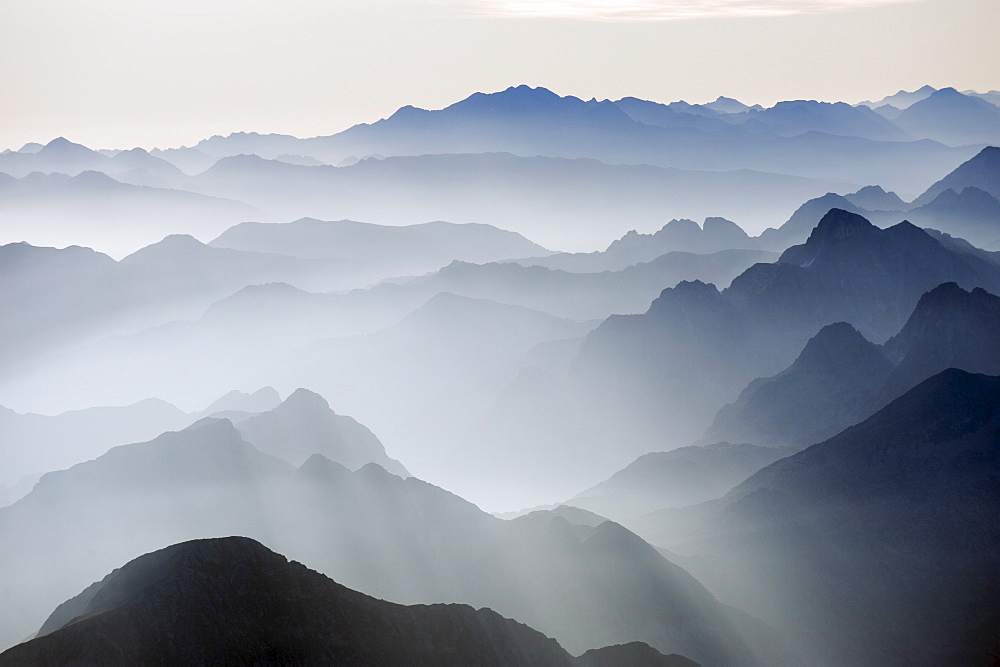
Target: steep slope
[[831, 385], [666, 371], [840, 378], [972, 214], [952, 118], [981, 171], [402, 540], [303, 425], [874, 198], [532, 122], [683, 476], [805, 218], [878, 545], [35, 443], [243, 603], [795, 117]]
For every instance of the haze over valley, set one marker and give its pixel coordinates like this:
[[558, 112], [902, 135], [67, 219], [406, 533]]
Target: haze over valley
[[520, 378]]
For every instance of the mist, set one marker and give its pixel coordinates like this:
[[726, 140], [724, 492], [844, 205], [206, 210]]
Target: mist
[[580, 382]]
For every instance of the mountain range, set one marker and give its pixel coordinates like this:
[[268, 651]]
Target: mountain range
[[402, 540], [840, 378], [872, 546], [271, 610]]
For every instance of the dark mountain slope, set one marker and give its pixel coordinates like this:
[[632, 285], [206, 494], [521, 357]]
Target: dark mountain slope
[[240, 603], [840, 378], [831, 385], [665, 371], [981, 171], [403, 540], [972, 214], [877, 546]]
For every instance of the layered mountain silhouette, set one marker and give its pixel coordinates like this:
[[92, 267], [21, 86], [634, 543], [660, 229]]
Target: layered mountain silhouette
[[877, 545], [840, 378], [35, 443], [573, 204], [874, 198], [409, 249], [245, 603], [403, 540], [655, 381], [93, 209], [695, 342], [135, 166], [683, 476], [981, 171], [304, 425], [534, 121], [950, 117], [792, 118]]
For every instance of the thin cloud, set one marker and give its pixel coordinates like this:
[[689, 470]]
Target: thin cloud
[[664, 10]]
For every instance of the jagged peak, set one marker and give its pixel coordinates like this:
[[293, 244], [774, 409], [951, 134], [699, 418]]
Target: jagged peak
[[839, 225], [304, 399], [835, 346]]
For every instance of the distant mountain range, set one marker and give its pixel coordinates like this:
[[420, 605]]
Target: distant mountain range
[[93, 209], [654, 381], [245, 603], [877, 545], [292, 430]]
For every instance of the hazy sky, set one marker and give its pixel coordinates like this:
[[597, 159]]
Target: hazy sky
[[120, 73]]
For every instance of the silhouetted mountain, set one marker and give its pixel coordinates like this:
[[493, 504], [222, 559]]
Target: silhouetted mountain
[[553, 201], [949, 328], [797, 117], [262, 400], [981, 171], [877, 546], [663, 115], [952, 118], [304, 425], [904, 99], [409, 250], [134, 166], [972, 215], [246, 604], [840, 378], [683, 476], [993, 96], [35, 443], [727, 105], [398, 539], [583, 296], [798, 227], [188, 160], [659, 372], [682, 235], [830, 386], [536, 122], [874, 198], [92, 209]]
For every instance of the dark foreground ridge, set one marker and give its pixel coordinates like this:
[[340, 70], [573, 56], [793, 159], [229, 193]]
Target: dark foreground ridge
[[233, 601]]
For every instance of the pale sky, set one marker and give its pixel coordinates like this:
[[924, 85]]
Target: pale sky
[[121, 73]]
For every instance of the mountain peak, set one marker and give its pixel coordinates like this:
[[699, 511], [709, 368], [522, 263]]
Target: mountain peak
[[835, 345], [840, 225], [304, 400]]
